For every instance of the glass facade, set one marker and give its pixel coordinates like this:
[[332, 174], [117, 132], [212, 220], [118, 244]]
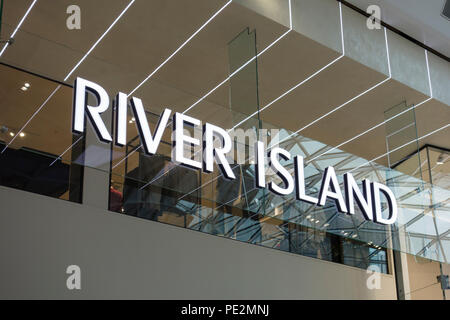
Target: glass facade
[[266, 71]]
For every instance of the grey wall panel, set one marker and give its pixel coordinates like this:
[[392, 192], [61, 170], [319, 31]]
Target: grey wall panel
[[419, 19], [318, 20], [408, 63], [362, 44], [125, 257], [440, 78]]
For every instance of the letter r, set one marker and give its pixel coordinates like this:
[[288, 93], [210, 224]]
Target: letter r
[[80, 106]]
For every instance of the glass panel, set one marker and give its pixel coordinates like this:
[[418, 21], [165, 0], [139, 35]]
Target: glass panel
[[31, 159]]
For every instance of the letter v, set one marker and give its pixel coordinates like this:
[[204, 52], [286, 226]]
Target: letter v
[[149, 142]]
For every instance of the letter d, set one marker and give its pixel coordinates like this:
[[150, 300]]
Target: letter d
[[81, 89], [377, 189]]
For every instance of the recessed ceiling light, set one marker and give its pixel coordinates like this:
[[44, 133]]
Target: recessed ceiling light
[[326, 224], [22, 134], [24, 88], [11, 134], [27, 84], [130, 121], [354, 236], [133, 119]]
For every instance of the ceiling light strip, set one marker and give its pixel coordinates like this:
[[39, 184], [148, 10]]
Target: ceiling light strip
[[100, 39], [18, 26], [370, 129], [428, 73], [342, 29], [387, 53], [404, 145], [180, 47], [31, 118]]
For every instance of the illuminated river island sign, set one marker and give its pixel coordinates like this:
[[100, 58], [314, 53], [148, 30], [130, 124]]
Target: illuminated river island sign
[[368, 199]]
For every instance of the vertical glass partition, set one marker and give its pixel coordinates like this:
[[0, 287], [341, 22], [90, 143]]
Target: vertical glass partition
[[426, 236]]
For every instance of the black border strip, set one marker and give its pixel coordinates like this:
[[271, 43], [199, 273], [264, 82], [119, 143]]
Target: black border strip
[[36, 74]]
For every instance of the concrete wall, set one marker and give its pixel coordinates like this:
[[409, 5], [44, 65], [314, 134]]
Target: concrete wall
[[126, 257]]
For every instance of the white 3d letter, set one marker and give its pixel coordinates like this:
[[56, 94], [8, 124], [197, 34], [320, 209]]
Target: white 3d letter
[[149, 142], [260, 172], [281, 172], [300, 177], [376, 189], [210, 152], [330, 180], [179, 139], [353, 193], [82, 87]]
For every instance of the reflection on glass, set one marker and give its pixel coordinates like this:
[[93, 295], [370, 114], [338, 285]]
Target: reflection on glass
[[31, 159]]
